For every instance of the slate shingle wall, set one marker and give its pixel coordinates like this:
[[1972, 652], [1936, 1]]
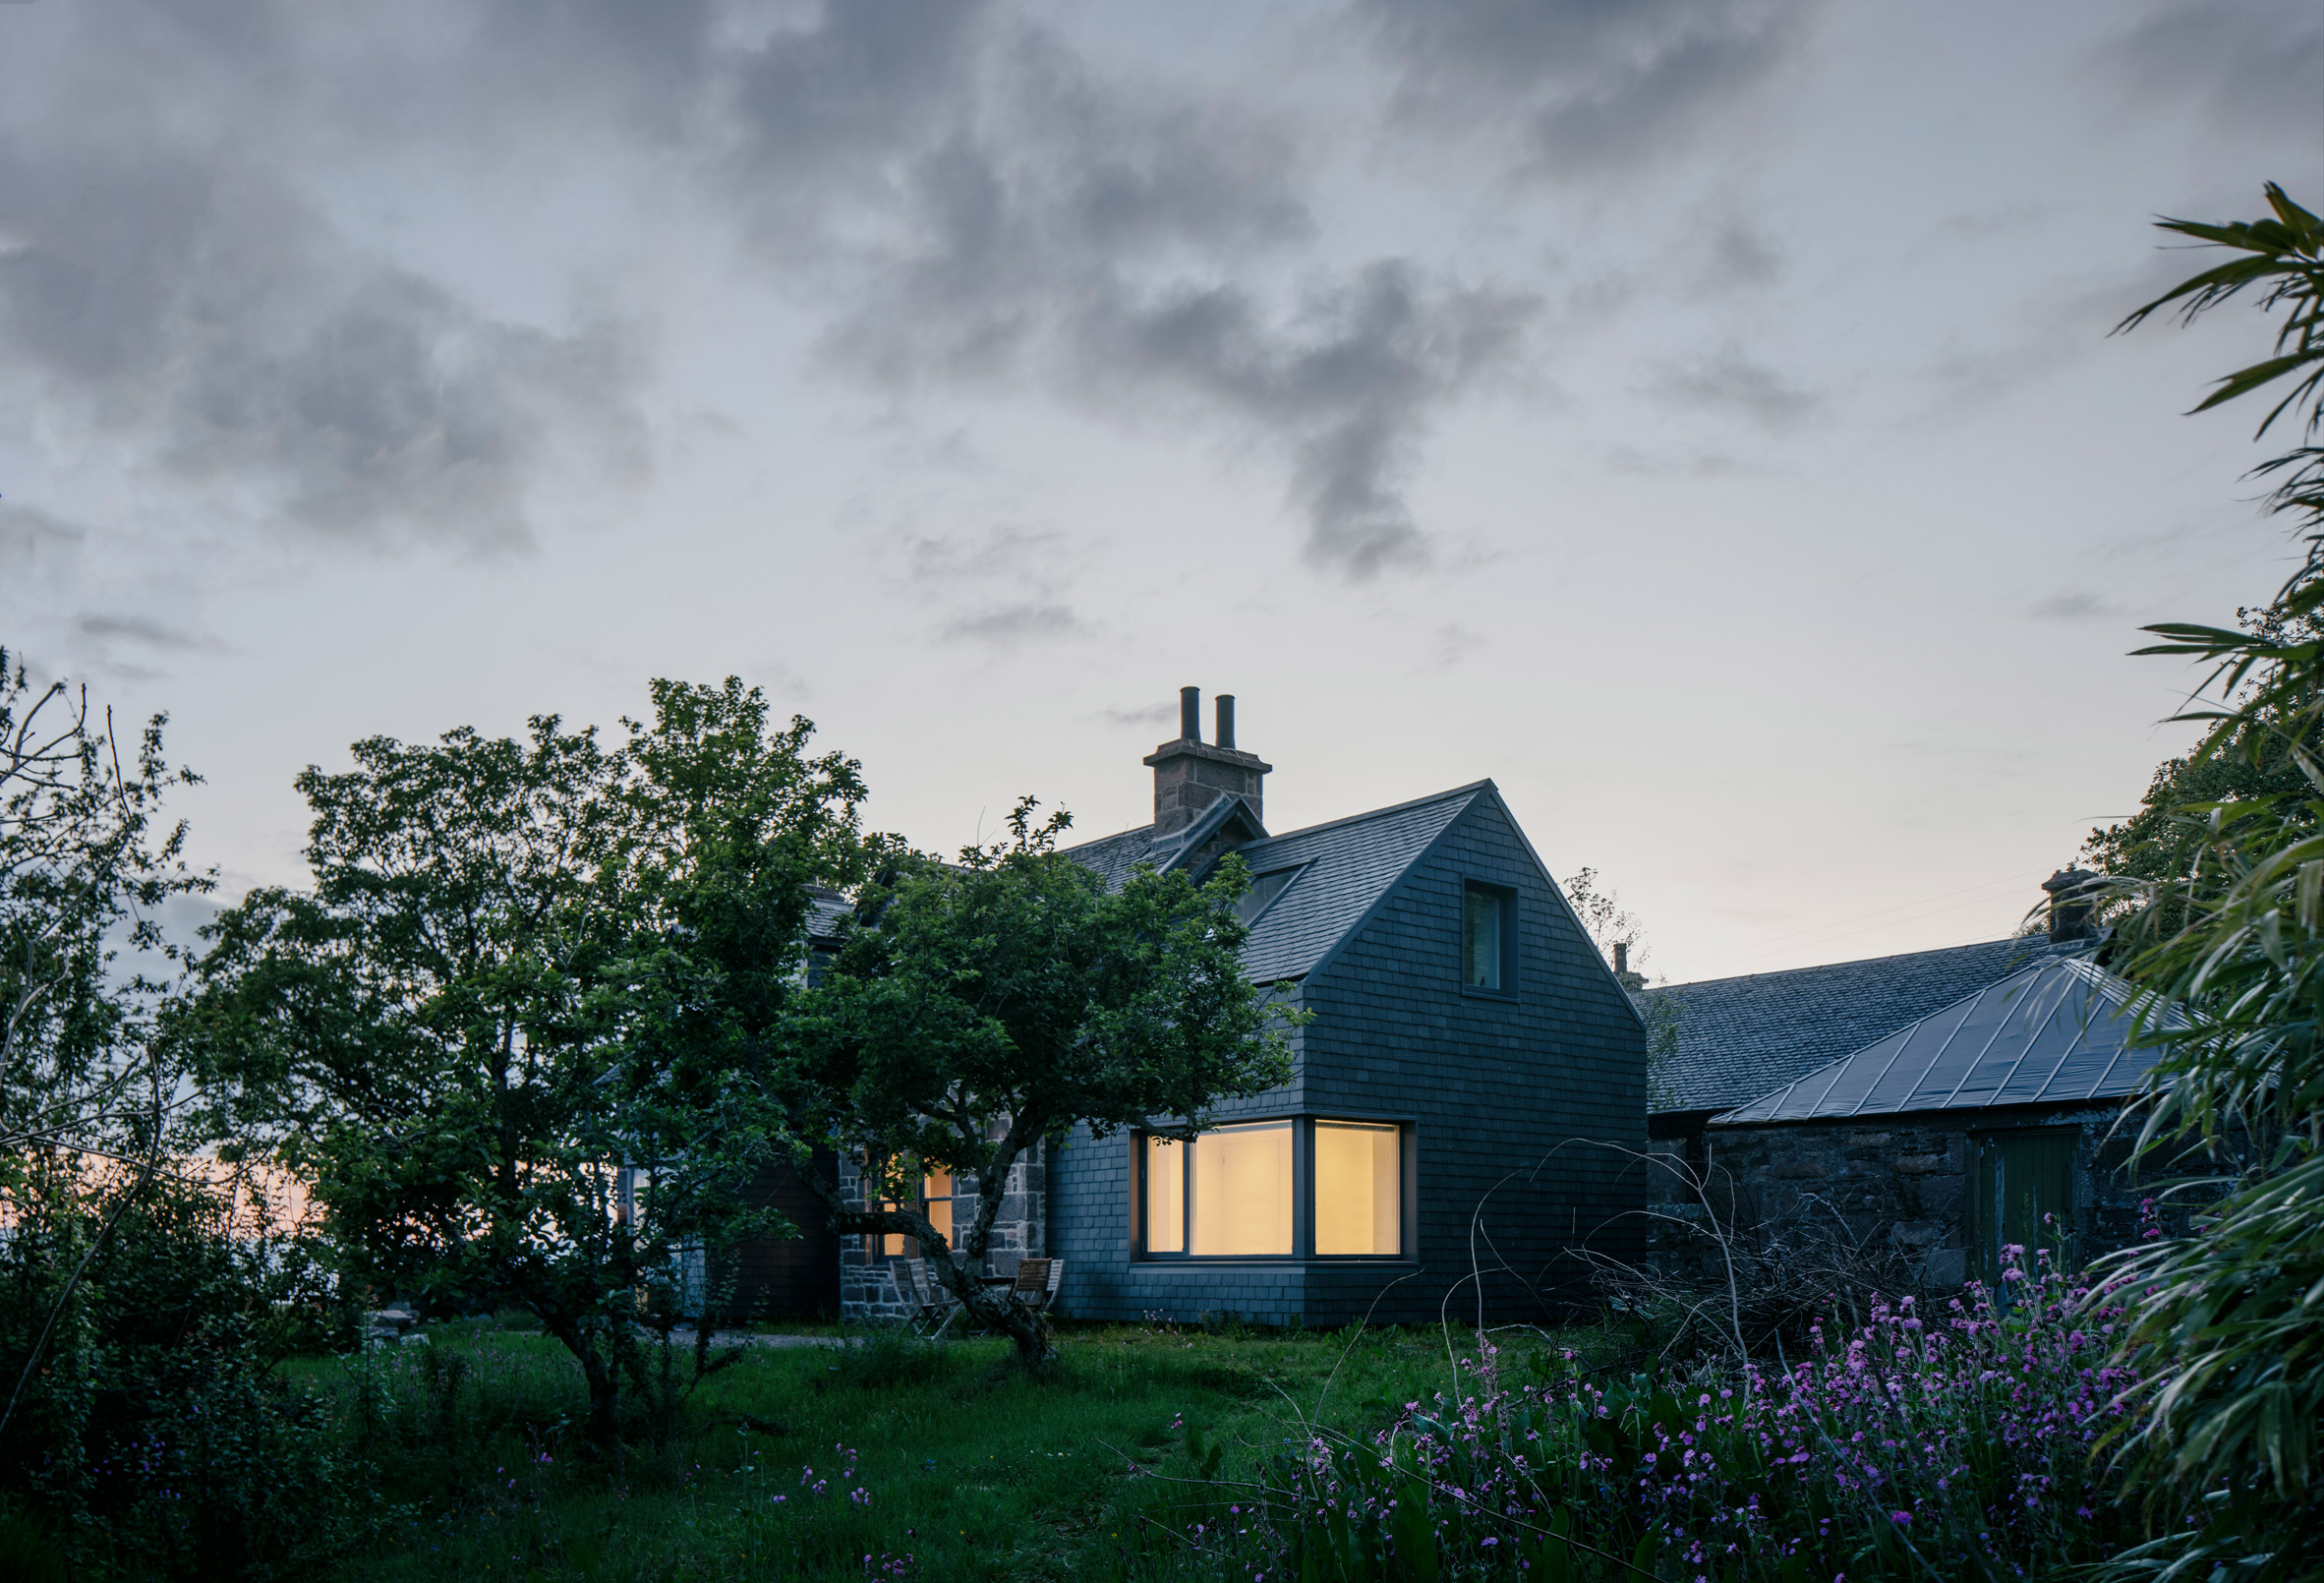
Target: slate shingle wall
[[1491, 1087]]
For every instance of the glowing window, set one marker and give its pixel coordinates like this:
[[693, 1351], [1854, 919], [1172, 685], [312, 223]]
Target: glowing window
[[1241, 1196], [1165, 1196], [1358, 1189]]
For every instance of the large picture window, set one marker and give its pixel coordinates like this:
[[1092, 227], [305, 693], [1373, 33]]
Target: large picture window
[[1230, 1193]]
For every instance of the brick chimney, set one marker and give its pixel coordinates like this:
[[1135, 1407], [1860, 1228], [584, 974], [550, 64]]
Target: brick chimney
[[1189, 773]]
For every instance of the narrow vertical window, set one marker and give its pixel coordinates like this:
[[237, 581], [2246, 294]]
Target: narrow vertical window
[[1358, 1189], [936, 1200], [1165, 1196], [1484, 914], [1243, 1192]]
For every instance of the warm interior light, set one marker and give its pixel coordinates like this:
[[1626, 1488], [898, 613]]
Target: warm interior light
[[1165, 1196], [1243, 1191], [1358, 1189]]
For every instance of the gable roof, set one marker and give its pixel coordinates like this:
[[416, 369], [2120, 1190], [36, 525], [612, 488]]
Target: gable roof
[[1346, 867], [2054, 1033], [1738, 1038]]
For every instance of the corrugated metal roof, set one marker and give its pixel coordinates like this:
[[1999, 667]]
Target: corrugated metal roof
[[1737, 1038], [1344, 867], [2057, 1032]]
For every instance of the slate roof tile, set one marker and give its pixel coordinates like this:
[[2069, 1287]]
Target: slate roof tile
[[1739, 1038], [1344, 867]]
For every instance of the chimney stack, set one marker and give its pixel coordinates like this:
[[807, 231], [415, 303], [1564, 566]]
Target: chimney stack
[[2071, 895], [1189, 773]]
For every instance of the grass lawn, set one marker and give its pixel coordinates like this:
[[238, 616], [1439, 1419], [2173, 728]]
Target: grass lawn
[[940, 1463]]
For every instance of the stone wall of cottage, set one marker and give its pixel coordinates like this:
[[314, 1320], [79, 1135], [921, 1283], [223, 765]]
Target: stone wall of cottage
[[870, 1290], [1898, 1181]]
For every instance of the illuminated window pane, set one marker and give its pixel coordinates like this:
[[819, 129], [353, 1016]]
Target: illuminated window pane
[[936, 1196], [1243, 1191], [1358, 1189], [1165, 1196], [1480, 939]]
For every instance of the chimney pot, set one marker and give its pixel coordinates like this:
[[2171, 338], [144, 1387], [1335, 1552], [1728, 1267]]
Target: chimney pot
[[1226, 720], [1190, 713]]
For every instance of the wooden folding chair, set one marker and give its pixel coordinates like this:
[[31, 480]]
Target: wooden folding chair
[[1037, 1280], [932, 1303]]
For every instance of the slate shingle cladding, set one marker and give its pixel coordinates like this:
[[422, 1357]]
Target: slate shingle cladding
[[1498, 1091], [1741, 1038]]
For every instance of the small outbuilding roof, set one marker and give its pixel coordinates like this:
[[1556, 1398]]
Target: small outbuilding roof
[[1737, 1038], [2056, 1032]]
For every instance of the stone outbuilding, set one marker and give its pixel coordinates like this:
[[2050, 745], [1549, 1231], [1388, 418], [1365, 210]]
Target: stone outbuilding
[[1990, 1122]]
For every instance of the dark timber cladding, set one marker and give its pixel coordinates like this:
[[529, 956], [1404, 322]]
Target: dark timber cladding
[[1503, 1095]]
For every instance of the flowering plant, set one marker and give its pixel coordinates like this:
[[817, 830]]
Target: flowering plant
[[1954, 1444]]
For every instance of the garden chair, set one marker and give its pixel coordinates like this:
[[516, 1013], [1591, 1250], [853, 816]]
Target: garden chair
[[933, 1307], [1037, 1281]]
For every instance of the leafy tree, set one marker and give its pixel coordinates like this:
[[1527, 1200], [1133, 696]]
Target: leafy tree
[[86, 865], [514, 1035], [2230, 1319], [979, 1009], [2162, 844]]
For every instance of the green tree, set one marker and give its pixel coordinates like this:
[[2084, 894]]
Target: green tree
[[982, 1008], [506, 1036], [85, 866], [2230, 1319]]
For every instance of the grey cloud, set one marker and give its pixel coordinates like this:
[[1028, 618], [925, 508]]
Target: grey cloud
[[996, 553], [1097, 237], [142, 630], [2251, 63], [1147, 715], [185, 300], [29, 535], [1741, 257], [1010, 624], [1600, 84], [2075, 605], [1733, 382]]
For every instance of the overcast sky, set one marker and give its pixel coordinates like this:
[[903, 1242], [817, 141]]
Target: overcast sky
[[1697, 415]]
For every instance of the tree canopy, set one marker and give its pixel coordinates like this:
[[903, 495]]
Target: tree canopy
[[980, 1008], [516, 1034]]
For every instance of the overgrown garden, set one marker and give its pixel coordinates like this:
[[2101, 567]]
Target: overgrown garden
[[542, 1008]]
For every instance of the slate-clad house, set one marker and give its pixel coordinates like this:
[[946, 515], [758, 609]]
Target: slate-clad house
[[1466, 1036]]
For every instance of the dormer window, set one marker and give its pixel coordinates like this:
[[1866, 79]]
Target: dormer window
[[1263, 890]]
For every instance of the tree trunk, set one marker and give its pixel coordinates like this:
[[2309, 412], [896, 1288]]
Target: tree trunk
[[605, 1386], [1036, 1345]]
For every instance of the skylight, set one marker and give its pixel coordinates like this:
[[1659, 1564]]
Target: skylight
[[1263, 890]]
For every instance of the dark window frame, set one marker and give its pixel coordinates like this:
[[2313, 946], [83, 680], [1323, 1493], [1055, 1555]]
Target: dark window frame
[[1506, 896], [1303, 1194]]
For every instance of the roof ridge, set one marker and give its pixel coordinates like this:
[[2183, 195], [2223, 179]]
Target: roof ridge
[[1851, 962], [1470, 789]]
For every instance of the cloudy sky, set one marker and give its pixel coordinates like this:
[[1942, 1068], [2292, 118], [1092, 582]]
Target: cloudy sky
[[1697, 415]]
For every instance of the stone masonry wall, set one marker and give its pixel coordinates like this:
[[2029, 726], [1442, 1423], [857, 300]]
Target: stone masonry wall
[[1898, 1181], [869, 1293]]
